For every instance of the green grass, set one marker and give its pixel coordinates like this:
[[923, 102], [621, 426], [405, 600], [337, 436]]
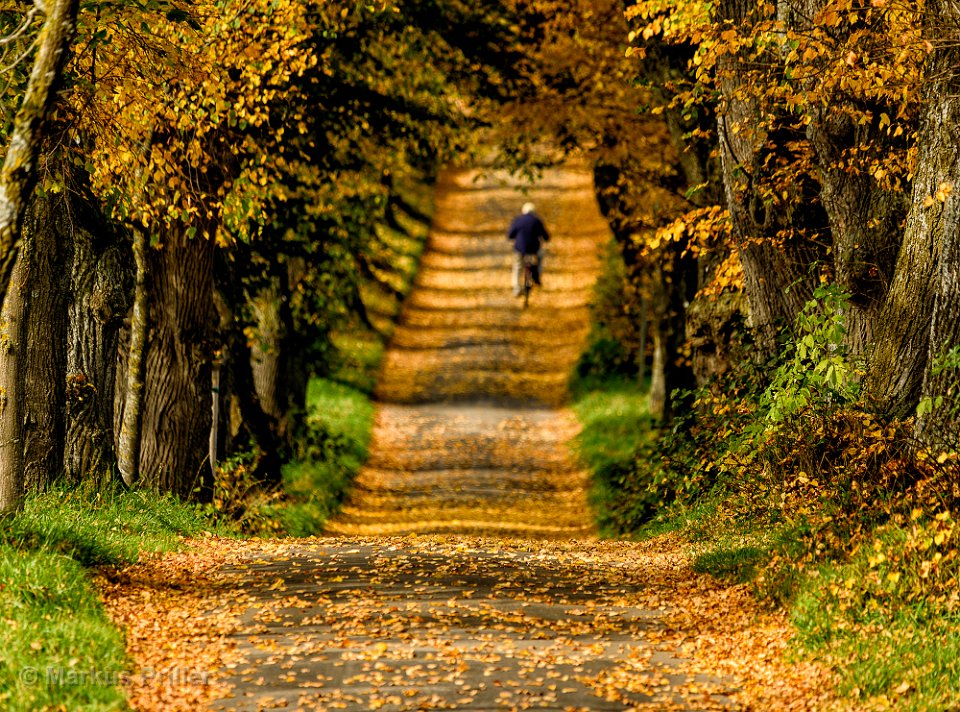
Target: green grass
[[60, 651], [737, 563], [359, 354], [341, 419], [615, 419], [892, 634], [906, 660], [616, 425]]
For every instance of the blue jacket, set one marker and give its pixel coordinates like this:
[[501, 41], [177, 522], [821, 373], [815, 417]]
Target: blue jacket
[[527, 232]]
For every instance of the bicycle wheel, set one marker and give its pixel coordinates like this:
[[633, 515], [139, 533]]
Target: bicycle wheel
[[527, 282]]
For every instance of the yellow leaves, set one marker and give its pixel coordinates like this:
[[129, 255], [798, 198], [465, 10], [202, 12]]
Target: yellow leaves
[[944, 190], [702, 229], [189, 82]]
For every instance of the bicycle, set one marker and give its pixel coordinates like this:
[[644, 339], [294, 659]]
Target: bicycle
[[529, 277]]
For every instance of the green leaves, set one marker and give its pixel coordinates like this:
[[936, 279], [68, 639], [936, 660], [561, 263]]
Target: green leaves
[[815, 372]]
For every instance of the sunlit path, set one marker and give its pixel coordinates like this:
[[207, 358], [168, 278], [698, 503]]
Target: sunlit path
[[463, 571], [470, 436], [442, 590], [458, 623]]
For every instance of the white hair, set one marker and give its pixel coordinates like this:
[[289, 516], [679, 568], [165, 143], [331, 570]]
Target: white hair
[[528, 208]]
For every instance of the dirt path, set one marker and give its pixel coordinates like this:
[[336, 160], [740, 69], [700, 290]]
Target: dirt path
[[471, 436], [462, 573]]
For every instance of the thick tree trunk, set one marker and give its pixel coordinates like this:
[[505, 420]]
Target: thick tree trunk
[[18, 177], [865, 225], [865, 219], [19, 172], [177, 383], [11, 360], [100, 280], [46, 254], [941, 427], [924, 282], [776, 266]]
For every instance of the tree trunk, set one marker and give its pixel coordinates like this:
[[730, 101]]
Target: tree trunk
[[657, 397], [18, 175], [865, 219], [177, 382], [865, 225], [128, 438], [777, 266], [100, 280], [46, 255], [297, 367], [265, 352], [11, 360], [941, 427], [238, 389], [677, 276], [243, 417], [642, 345], [924, 282]]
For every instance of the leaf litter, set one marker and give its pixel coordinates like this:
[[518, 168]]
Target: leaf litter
[[466, 574]]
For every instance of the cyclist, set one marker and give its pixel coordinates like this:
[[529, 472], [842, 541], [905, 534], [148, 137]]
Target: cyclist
[[528, 233]]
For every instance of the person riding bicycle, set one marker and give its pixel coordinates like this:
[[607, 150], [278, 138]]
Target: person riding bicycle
[[528, 233]]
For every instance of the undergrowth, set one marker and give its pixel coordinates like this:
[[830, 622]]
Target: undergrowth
[[783, 478], [339, 422], [60, 651], [616, 424], [332, 434]]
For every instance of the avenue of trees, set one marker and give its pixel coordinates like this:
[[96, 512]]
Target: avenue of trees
[[780, 178], [194, 196], [829, 173]]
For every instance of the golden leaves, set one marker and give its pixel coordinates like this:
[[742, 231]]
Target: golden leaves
[[372, 625], [944, 190], [175, 91]]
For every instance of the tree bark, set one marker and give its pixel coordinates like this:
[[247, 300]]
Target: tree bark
[[777, 272], [265, 352], [128, 439], [18, 175], [100, 280], [177, 382], [678, 278], [924, 282], [46, 288], [11, 404], [249, 419], [865, 225], [865, 218]]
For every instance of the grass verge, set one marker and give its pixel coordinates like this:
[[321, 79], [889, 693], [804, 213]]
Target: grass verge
[[340, 419], [60, 651], [616, 425]]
